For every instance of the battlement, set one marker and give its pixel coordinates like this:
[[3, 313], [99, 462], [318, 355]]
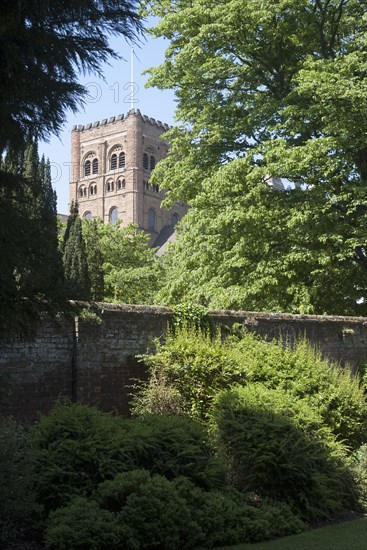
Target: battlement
[[114, 119]]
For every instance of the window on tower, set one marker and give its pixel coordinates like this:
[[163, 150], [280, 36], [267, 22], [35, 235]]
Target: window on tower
[[113, 162], [151, 219], [152, 162], [145, 161], [95, 166], [87, 168], [114, 215], [122, 160]]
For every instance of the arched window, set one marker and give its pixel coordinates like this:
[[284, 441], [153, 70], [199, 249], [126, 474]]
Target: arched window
[[145, 185], [122, 160], [93, 189], [114, 215], [82, 191], [151, 219], [156, 187], [87, 215], [121, 184], [95, 166], [174, 219], [110, 186], [87, 168], [145, 161], [113, 162], [152, 162]]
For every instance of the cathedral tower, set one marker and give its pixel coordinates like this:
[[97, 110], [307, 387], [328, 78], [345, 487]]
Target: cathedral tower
[[111, 165]]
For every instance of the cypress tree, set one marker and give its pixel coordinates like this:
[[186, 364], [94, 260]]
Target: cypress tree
[[77, 280], [94, 258]]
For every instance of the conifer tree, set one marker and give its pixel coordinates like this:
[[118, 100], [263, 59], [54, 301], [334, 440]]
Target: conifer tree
[[77, 280], [94, 259]]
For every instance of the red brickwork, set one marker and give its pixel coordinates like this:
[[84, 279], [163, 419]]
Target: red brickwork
[[95, 362]]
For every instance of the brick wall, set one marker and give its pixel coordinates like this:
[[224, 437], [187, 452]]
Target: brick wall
[[95, 362]]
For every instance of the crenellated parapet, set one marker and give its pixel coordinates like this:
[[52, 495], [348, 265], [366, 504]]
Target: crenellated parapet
[[115, 119]]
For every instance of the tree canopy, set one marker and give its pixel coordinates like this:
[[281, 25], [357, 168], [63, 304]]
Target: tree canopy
[[129, 268], [268, 88], [43, 47]]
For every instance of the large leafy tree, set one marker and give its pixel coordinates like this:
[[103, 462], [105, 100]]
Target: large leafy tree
[[280, 86], [131, 272]]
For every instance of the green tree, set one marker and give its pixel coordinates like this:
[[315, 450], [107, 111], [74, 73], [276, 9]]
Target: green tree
[[77, 280], [131, 269], [43, 48], [94, 258], [30, 263], [263, 88]]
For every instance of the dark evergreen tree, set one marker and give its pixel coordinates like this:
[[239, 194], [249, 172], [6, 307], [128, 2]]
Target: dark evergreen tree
[[77, 280], [30, 263], [95, 259], [44, 45]]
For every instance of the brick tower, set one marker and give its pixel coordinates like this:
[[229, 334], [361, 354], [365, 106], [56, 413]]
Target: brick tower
[[111, 165]]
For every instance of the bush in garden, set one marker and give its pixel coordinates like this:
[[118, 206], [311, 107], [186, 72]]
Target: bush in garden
[[174, 446], [277, 447], [302, 371], [80, 525], [139, 510], [17, 499], [77, 447], [193, 365], [359, 465]]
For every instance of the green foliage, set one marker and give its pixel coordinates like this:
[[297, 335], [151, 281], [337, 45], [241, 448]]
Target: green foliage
[[303, 372], [82, 524], [129, 267], [174, 446], [43, 51], [76, 273], [140, 510], [17, 502], [190, 315], [276, 448], [193, 366], [359, 469], [77, 447], [266, 89], [30, 263]]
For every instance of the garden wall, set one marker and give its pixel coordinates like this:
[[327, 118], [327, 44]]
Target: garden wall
[[93, 360]]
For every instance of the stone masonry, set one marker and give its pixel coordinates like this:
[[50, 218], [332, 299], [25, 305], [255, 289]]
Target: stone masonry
[[112, 161], [94, 361]]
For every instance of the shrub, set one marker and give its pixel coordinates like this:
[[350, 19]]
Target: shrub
[[137, 510], [77, 447], [277, 447], [302, 371], [80, 525], [193, 365], [359, 465], [174, 446], [17, 499]]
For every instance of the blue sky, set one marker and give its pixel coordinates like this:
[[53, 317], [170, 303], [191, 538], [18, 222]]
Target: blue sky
[[108, 98]]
